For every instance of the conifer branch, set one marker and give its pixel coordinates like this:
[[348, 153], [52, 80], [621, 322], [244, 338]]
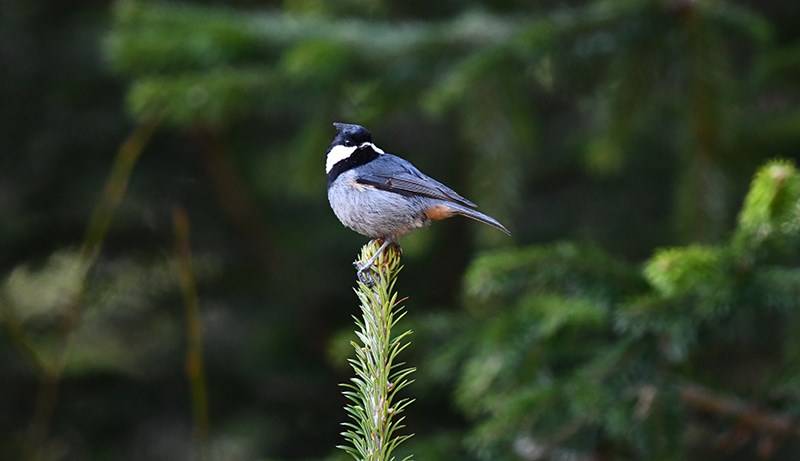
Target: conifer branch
[[374, 412]]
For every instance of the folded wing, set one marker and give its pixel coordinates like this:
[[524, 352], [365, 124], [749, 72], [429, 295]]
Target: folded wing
[[393, 174]]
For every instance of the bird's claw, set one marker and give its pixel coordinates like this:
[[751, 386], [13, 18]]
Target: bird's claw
[[362, 273]]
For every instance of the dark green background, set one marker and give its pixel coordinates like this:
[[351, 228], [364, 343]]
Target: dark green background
[[624, 125]]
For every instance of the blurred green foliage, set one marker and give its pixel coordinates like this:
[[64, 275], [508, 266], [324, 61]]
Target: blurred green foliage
[[645, 308], [569, 349]]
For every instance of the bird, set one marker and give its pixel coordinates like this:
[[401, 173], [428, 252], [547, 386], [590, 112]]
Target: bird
[[383, 196]]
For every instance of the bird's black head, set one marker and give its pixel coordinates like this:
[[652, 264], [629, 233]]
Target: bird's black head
[[350, 135], [352, 146]]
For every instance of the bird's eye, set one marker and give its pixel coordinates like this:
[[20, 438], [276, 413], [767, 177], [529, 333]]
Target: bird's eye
[[348, 143]]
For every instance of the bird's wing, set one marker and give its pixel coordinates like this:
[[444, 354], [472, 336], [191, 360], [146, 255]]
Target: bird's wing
[[393, 174]]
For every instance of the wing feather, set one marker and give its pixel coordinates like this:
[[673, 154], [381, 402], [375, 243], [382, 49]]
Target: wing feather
[[393, 174]]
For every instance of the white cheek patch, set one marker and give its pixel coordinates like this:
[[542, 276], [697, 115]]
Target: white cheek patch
[[339, 153], [374, 147], [336, 155]]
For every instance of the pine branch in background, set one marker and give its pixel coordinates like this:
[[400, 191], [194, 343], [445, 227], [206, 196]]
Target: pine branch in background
[[376, 415], [572, 350], [194, 333]]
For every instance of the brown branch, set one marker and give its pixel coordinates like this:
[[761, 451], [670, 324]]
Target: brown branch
[[194, 333], [746, 413], [47, 395], [235, 200]]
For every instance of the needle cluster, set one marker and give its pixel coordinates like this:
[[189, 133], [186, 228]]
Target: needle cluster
[[374, 409]]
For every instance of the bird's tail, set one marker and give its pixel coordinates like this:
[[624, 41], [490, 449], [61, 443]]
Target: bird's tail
[[449, 209]]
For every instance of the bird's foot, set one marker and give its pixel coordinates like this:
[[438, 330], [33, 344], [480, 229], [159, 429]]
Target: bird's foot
[[362, 270], [363, 275]]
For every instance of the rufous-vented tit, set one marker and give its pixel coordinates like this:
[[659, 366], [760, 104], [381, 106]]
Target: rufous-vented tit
[[383, 196]]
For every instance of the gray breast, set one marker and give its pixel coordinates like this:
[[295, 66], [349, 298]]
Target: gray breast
[[372, 212]]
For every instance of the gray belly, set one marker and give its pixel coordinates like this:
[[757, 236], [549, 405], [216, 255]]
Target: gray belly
[[372, 212]]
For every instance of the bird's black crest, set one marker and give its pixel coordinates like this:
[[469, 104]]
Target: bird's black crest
[[355, 134]]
